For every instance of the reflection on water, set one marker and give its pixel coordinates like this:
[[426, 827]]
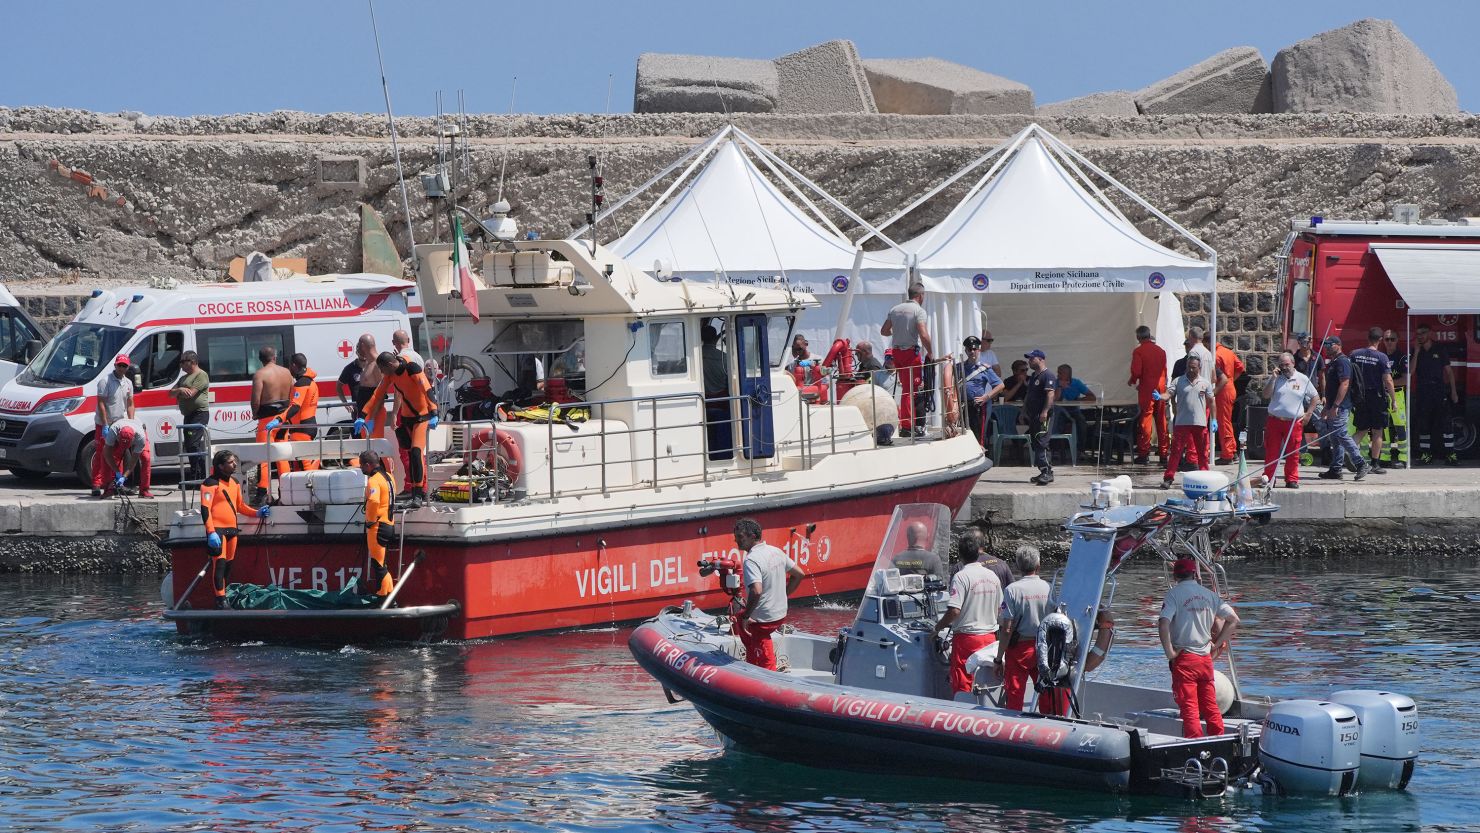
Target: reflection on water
[[110, 721]]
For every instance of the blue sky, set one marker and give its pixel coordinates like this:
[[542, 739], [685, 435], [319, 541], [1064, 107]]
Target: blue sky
[[182, 58]]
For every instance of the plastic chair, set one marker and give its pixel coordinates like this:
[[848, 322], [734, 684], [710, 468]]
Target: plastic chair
[[1005, 419]]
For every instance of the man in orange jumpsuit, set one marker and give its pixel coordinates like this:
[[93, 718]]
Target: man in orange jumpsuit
[[302, 413], [380, 491], [416, 411], [1149, 378], [220, 505], [1227, 368]]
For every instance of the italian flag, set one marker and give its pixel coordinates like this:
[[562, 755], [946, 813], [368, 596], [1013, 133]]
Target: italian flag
[[465, 288]]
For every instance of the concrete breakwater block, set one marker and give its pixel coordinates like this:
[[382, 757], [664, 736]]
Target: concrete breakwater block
[[704, 84], [1117, 103], [1233, 81], [1366, 67], [826, 78], [931, 87]]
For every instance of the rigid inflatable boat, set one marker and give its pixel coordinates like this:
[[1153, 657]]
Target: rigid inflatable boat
[[875, 695]]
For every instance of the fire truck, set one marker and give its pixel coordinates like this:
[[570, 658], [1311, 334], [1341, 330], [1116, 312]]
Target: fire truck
[[1333, 276]]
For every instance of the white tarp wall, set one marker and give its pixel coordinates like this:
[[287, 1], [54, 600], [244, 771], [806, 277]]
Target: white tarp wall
[[1053, 264]]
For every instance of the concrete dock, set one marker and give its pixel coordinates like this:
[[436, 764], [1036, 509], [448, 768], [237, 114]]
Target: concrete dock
[[54, 526]]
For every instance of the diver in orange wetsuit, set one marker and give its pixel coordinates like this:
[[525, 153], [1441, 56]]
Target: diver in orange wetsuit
[[302, 413], [380, 499], [220, 505], [416, 413]]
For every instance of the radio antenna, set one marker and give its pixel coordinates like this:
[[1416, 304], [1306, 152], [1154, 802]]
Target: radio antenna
[[390, 120], [503, 165]]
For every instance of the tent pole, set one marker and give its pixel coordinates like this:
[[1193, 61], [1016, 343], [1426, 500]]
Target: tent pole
[[1408, 387], [848, 296], [1213, 338]]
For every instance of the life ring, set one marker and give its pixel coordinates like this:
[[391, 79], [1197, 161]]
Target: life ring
[[506, 456], [952, 410]]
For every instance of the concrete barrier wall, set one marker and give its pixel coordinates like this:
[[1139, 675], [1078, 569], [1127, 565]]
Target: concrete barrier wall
[[184, 196]]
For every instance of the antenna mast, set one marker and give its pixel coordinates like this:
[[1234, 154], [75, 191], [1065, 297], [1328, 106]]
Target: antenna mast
[[390, 120]]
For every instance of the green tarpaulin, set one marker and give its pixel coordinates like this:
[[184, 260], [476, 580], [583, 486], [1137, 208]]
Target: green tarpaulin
[[272, 597]]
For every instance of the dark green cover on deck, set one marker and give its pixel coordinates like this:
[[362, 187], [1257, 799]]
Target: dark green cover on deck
[[272, 597]]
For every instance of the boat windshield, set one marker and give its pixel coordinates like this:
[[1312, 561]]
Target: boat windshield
[[76, 355], [915, 551]]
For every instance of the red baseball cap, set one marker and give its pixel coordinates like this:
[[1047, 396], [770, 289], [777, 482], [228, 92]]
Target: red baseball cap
[[122, 359], [1183, 567]]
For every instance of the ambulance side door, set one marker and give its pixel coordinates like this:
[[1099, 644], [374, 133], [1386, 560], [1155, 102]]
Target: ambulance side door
[[156, 362]]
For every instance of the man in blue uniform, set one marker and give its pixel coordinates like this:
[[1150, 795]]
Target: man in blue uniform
[[1037, 404], [1434, 393], [979, 383]]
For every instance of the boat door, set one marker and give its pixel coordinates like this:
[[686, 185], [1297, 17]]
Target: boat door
[[757, 432]]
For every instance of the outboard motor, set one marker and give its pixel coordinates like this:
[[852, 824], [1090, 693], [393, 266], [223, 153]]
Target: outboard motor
[[1311, 746], [1389, 736]]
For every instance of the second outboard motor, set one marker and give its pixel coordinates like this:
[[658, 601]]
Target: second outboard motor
[[1389, 736], [1311, 746]]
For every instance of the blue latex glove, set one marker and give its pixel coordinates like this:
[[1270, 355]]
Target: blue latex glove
[[274, 424], [214, 540], [265, 512], [1156, 396], [359, 427], [432, 423], [118, 480], [108, 433], [1213, 426]]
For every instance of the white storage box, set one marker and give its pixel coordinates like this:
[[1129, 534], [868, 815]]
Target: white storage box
[[537, 269], [332, 486], [498, 268]]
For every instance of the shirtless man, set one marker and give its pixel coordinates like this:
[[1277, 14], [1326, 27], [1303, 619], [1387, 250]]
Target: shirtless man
[[272, 387], [358, 381]]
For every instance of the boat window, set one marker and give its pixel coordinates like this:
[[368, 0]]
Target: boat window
[[526, 353], [76, 355], [670, 355], [156, 359], [778, 334], [231, 355], [1300, 307]]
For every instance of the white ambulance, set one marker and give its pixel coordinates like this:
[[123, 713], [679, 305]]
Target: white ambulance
[[46, 412], [19, 336]]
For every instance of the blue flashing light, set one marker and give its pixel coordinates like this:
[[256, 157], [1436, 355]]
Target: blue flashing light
[[138, 298], [1317, 220], [97, 292]]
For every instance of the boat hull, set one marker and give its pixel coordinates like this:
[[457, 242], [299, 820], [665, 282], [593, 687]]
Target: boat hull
[[807, 721], [510, 584]]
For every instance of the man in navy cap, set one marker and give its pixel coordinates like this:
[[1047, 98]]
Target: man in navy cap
[[979, 383], [1043, 387]]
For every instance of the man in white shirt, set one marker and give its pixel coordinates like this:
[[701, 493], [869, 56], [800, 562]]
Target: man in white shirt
[[769, 577], [1292, 401], [115, 402], [989, 356], [1195, 625], [971, 614]]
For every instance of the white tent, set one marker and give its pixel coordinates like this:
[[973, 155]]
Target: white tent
[[1052, 263], [723, 215]]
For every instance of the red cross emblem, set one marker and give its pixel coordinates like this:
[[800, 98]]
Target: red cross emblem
[[120, 304], [165, 428], [345, 349]]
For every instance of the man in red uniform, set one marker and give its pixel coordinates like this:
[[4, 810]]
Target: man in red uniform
[[1227, 368], [908, 334], [971, 614], [416, 412], [1195, 625], [1149, 378]]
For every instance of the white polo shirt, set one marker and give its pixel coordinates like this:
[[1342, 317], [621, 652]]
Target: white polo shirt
[[768, 566]]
